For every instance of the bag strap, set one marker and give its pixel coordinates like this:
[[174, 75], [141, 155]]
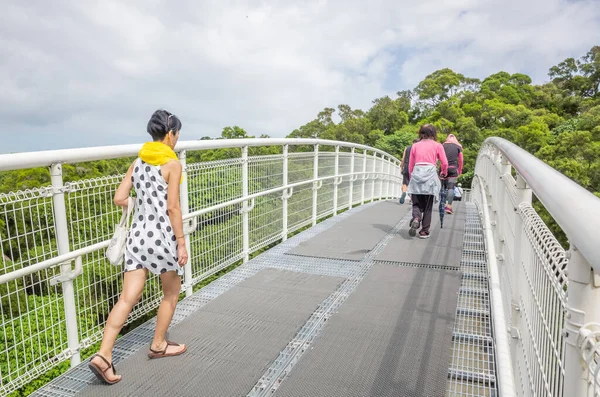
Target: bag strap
[[127, 212]]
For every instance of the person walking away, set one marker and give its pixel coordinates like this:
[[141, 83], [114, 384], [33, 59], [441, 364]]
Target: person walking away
[[458, 191], [424, 186], [405, 175], [155, 242], [454, 154]]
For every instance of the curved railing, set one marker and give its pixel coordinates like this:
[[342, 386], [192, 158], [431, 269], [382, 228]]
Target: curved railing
[[546, 301], [238, 197]]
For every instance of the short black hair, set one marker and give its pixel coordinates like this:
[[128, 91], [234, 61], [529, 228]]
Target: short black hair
[[416, 140], [427, 131], [161, 122]]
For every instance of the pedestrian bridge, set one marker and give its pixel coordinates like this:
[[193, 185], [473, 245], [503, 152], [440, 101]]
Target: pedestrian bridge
[[303, 280]]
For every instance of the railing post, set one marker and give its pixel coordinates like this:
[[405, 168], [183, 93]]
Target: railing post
[[245, 216], [351, 187], [393, 180], [398, 180], [502, 198], [315, 183], [364, 177], [375, 176], [62, 241], [493, 189], [387, 178], [380, 178], [335, 174], [582, 307], [382, 185], [284, 231], [524, 196], [185, 209]]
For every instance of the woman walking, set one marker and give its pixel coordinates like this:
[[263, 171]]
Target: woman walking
[[454, 154], [155, 243], [425, 185]]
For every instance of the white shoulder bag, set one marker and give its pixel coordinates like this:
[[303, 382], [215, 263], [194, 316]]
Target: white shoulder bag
[[116, 250]]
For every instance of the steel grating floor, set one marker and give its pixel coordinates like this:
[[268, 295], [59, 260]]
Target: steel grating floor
[[472, 370], [443, 248], [354, 237], [231, 340], [472, 366], [391, 338]]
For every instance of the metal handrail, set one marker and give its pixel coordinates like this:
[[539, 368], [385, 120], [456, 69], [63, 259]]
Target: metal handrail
[[575, 209], [264, 193], [61, 262], [52, 262], [16, 161], [60, 259], [504, 363]]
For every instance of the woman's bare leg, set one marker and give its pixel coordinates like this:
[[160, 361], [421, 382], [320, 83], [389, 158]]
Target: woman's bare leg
[[171, 284], [133, 285]]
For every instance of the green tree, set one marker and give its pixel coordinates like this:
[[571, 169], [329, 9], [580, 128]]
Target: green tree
[[589, 67], [396, 143], [576, 155], [387, 114], [590, 121], [439, 86], [234, 132], [579, 77]]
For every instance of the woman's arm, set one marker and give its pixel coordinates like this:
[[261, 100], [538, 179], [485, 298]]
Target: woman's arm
[[460, 162], [175, 216], [411, 160], [402, 161], [441, 155], [124, 189], [173, 206]]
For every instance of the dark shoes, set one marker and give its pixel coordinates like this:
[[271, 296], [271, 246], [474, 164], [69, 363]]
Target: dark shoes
[[414, 225]]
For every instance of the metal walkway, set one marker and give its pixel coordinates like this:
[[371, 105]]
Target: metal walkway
[[297, 321]]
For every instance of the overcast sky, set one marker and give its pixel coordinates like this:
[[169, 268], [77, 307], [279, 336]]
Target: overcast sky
[[79, 73]]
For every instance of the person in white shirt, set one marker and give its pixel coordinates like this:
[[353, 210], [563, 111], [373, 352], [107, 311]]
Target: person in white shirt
[[458, 191]]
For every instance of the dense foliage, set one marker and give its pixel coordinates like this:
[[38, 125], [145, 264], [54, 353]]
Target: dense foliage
[[558, 121]]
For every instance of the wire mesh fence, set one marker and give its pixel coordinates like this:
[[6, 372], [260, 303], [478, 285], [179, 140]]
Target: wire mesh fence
[[32, 318], [533, 280], [216, 242], [33, 313], [300, 208]]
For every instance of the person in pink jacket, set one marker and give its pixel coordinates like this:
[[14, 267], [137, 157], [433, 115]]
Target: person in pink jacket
[[424, 186], [454, 154]]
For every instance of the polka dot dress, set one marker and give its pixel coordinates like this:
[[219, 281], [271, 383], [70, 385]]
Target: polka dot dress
[[151, 242]]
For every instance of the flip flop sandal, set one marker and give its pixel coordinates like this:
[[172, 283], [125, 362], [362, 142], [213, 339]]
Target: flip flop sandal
[[101, 374], [163, 353]]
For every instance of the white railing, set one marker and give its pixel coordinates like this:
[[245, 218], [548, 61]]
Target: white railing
[[545, 300], [256, 194]]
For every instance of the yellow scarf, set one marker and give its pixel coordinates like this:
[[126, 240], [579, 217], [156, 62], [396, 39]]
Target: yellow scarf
[[157, 153]]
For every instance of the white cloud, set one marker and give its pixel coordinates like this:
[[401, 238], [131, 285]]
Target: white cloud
[[78, 73]]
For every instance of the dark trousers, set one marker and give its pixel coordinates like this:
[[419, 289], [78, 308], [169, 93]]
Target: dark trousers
[[449, 182], [422, 205]]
